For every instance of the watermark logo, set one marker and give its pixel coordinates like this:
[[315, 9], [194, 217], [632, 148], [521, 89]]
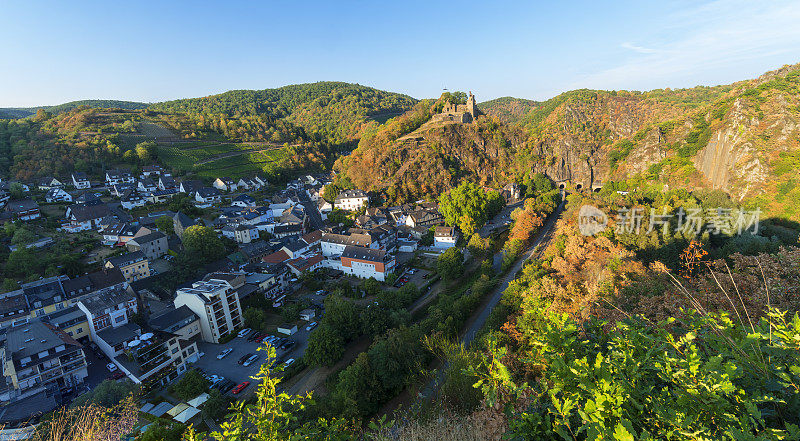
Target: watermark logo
[[688, 222], [591, 220]]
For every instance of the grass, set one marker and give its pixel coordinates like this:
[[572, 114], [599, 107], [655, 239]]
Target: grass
[[187, 158]]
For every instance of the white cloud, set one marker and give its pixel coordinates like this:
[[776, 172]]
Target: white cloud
[[639, 49], [723, 35]]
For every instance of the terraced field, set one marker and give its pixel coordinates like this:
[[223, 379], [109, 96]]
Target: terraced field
[[212, 159]]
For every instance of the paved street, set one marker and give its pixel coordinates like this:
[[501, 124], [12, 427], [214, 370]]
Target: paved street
[[314, 217], [502, 220]]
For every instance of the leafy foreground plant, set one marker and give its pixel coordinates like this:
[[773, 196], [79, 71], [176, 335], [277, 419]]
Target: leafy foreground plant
[[704, 378], [274, 416], [90, 422]]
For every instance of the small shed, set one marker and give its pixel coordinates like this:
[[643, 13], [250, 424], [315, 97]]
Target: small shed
[[287, 329], [198, 400], [308, 314]]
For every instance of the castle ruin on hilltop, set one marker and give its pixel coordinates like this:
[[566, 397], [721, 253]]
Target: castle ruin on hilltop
[[461, 113]]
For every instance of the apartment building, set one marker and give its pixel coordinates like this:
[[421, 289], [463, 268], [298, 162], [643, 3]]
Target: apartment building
[[216, 303], [40, 357], [366, 262], [134, 266], [107, 312], [351, 200]]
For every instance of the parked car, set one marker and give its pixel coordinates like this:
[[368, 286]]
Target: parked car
[[311, 326], [242, 386], [111, 367], [244, 358], [224, 385], [250, 360], [224, 353], [245, 332], [288, 362], [425, 276], [117, 375], [288, 345]]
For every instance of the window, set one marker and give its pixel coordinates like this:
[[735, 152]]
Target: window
[[174, 350], [190, 350], [79, 330]]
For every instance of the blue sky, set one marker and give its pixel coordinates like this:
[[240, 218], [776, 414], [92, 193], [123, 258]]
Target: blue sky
[[56, 51]]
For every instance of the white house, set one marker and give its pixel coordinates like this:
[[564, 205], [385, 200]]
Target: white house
[[225, 184], [166, 182], [351, 200], [131, 199], [146, 184], [57, 195], [114, 177], [208, 195], [49, 182], [244, 233], [250, 183], [81, 181], [244, 201], [445, 237]]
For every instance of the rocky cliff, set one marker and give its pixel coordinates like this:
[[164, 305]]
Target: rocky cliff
[[741, 138]]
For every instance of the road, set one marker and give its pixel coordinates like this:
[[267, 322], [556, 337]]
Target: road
[[543, 237], [476, 322], [314, 217]]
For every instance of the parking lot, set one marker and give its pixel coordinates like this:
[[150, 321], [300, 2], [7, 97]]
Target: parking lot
[[229, 367]]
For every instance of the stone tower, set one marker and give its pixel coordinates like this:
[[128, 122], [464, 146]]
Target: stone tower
[[471, 108]]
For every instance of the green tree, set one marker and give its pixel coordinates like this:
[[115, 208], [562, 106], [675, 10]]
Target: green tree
[[23, 236], [371, 286], [203, 243], [325, 347], [469, 206], [254, 318], [343, 317], [450, 264], [16, 190], [107, 394], [190, 385], [165, 225], [22, 263], [144, 151], [216, 406], [163, 430]]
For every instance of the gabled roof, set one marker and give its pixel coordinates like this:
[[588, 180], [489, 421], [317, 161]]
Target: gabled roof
[[276, 257], [21, 205], [363, 253], [244, 197], [127, 259], [183, 220], [146, 235], [444, 232], [312, 237], [207, 192], [354, 193]]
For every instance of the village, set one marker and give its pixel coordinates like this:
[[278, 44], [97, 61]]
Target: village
[[63, 336]]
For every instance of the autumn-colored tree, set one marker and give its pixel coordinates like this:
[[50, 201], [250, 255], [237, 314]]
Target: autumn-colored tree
[[526, 223]]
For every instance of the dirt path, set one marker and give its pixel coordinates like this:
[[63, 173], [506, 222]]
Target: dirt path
[[314, 378]]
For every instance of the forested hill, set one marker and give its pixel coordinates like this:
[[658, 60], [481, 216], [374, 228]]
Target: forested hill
[[741, 138], [507, 109], [333, 111], [23, 112]]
